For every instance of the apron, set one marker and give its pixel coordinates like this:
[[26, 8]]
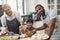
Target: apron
[[13, 25], [38, 24]]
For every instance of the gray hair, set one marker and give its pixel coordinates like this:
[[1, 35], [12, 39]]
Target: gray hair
[[5, 5]]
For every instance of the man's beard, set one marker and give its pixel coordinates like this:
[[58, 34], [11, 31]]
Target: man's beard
[[41, 14]]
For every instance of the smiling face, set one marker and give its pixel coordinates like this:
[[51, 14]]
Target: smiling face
[[7, 9], [39, 9], [29, 24]]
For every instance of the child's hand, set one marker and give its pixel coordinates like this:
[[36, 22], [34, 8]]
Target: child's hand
[[21, 29], [29, 33], [23, 35]]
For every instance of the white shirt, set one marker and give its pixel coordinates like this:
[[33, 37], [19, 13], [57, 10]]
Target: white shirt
[[49, 15], [14, 15]]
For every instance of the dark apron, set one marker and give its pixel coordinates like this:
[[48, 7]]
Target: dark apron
[[13, 25]]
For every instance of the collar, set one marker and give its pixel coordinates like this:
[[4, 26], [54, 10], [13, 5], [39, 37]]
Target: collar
[[7, 15]]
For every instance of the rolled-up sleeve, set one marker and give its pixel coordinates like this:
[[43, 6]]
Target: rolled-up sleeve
[[52, 14], [19, 16], [3, 21]]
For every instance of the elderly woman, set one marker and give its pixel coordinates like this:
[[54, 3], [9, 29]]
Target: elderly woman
[[10, 19]]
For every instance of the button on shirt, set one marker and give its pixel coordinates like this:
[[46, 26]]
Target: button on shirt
[[14, 15]]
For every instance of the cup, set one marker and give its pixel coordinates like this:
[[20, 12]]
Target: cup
[[14, 38]]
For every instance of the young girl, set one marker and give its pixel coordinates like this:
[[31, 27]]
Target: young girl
[[30, 30]]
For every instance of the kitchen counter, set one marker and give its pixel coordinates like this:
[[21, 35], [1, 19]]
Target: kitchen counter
[[27, 38], [10, 38]]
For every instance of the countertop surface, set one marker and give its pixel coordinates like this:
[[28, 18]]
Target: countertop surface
[[29, 38]]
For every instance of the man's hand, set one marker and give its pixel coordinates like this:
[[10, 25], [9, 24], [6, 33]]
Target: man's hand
[[42, 27]]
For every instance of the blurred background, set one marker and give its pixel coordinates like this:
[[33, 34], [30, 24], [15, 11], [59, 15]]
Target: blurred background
[[25, 7]]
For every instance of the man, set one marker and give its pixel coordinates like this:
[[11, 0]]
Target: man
[[48, 18], [10, 19]]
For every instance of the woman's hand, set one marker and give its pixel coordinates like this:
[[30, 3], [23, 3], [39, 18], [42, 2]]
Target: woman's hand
[[11, 33]]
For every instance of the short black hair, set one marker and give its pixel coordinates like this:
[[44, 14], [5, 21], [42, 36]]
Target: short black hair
[[43, 9], [39, 5], [30, 21]]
